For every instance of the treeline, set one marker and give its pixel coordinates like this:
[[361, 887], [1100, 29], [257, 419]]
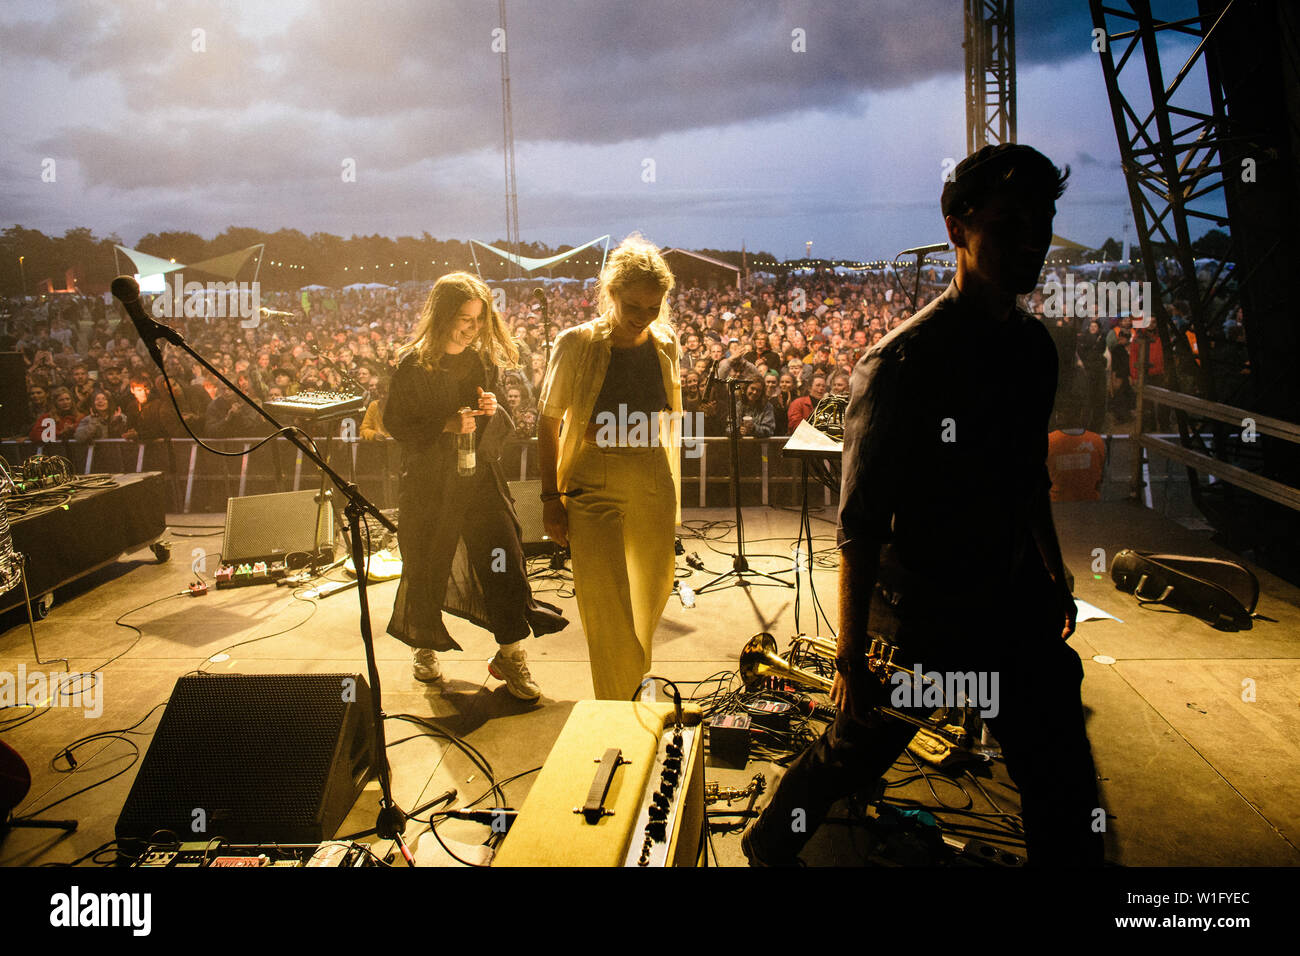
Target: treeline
[[290, 260], [1215, 244]]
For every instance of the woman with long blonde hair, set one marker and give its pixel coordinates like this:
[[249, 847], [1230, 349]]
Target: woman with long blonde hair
[[459, 535], [609, 448]]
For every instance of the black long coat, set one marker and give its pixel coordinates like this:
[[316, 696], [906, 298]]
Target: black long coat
[[459, 536]]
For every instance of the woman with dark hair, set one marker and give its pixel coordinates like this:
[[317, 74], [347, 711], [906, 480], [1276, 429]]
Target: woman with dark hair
[[459, 536], [99, 421], [610, 480]]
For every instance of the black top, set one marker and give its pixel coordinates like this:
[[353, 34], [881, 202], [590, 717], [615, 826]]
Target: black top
[[945, 447], [633, 381]]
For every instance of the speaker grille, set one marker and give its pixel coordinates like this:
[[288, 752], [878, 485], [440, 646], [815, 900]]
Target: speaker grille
[[265, 757], [265, 527], [528, 506]]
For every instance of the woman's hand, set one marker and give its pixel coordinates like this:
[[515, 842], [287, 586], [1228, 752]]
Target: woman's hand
[[555, 520], [462, 423], [487, 403]]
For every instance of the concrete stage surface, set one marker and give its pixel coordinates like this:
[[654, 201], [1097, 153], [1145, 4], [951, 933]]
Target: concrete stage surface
[[1192, 771]]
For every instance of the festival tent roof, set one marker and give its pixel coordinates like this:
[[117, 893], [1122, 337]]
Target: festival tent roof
[[529, 264], [1060, 242], [147, 265], [225, 266], [228, 265], [703, 258], [695, 267]]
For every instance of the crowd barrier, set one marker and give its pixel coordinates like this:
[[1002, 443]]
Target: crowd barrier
[[199, 481]]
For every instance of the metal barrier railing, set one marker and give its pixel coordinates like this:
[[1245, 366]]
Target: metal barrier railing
[[199, 481], [1261, 485]]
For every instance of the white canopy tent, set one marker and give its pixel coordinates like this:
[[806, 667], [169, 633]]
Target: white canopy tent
[[530, 264]]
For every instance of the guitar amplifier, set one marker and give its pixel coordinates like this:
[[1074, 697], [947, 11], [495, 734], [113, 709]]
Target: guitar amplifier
[[252, 758], [623, 786], [271, 527], [527, 496]]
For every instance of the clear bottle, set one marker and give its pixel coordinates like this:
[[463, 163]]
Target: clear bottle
[[465, 457]]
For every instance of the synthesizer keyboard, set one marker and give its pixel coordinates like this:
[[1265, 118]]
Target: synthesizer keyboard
[[316, 405]]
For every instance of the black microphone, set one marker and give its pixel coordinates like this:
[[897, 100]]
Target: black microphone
[[923, 250], [127, 291]]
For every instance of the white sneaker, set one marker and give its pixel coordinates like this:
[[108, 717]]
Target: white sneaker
[[514, 671], [425, 666]]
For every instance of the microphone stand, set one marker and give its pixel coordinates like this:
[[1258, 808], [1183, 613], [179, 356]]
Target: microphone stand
[[920, 252], [391, 820], [740, 569]]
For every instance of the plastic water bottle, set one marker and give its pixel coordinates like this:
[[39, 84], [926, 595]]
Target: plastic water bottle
[[465, 458]]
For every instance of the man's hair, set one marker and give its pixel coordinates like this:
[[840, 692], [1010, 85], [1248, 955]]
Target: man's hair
[[996, 170]]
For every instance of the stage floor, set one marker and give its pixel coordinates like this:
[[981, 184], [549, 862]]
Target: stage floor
[[1192, 772]]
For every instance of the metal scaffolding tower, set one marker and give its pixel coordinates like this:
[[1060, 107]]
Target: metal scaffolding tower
[[508, 137], [1216, 143], [990, 47], [1169, 149]]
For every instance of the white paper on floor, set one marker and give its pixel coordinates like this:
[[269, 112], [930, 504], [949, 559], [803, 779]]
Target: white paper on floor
[[1090, 612]]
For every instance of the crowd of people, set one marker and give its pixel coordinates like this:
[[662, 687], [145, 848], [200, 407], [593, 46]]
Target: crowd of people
[[791, 342]]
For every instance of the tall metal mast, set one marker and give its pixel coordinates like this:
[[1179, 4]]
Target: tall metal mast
[[508, 136]]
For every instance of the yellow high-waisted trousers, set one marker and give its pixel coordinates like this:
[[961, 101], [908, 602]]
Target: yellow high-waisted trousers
[[621, 534]]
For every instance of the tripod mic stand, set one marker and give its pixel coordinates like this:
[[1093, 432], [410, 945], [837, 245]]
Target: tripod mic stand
[[391, 821], [740, 569]]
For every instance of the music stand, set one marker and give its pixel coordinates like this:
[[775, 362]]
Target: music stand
[[740, 568]]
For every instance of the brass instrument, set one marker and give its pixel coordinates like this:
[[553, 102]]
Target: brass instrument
[[759, 660]]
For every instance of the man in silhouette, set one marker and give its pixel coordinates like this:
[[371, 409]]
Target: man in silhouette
[[944, 509]]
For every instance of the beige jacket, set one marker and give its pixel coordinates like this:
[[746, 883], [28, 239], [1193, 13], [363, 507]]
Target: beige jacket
[[572, 385]]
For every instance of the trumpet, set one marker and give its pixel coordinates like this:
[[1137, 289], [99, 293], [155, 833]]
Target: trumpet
[[759, 660]]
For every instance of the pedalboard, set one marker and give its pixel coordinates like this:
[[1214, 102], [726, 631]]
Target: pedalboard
[[200, 855]]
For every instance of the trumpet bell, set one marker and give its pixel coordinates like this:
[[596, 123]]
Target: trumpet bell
[[759, 660]]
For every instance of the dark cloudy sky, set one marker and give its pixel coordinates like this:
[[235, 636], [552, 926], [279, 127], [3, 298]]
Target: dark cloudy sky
[[152, 126]]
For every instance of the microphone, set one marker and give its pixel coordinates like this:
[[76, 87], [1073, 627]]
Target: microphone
[[127, 291], [923, 250], [275, 312]]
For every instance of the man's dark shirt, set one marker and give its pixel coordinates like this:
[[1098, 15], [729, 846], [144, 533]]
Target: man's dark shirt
[[956, 512]]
